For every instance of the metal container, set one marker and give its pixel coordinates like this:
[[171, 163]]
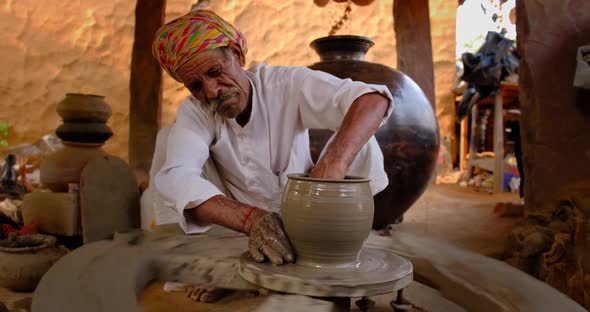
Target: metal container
[[409, 139]]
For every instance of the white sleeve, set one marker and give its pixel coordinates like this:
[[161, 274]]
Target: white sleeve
[[180, 179], [324, 99]]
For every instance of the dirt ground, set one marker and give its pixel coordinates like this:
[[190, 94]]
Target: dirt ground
[[462, 216]]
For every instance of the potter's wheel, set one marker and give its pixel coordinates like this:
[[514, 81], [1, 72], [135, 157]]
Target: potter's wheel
[[379, 272]]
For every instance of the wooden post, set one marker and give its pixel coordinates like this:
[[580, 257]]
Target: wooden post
[[498, 143], [472, 136], [411, 22], [464, 145], [145, 87]]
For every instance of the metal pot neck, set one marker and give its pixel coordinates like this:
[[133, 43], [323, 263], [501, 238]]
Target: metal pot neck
[[344, 47], [342, 56]]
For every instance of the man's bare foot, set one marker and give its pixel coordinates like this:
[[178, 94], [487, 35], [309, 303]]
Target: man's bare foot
[[207, 295]]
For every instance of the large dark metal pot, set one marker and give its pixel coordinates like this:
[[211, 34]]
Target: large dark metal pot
[[409, 140]]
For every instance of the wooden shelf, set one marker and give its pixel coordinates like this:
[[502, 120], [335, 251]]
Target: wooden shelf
[[507, 98]]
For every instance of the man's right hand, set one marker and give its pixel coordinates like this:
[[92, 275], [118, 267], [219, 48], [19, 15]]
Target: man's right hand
[[268, 239]]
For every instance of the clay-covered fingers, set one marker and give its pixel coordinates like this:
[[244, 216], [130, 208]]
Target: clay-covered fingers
[[254, 252], [268, 239], [284, 250], [260, 249], [272, 255], [279, 241], [276, 240]]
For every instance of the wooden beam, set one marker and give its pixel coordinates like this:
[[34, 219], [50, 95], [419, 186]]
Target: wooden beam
[[464, 145], [145, 87], [472, 136], [411, 22], [498, 143]]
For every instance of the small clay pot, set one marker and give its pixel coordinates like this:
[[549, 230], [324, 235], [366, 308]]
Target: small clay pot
[[84, 107], [85, 132], [327, 221], [65, 165], [24, 260]]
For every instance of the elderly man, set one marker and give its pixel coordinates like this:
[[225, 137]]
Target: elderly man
[[240, 132]]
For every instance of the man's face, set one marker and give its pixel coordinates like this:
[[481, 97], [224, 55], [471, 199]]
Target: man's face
[[218, 81]]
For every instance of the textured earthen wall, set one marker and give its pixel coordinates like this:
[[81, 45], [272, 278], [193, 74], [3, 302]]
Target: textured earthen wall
[[50, 47], [443, 17], [555, 124]]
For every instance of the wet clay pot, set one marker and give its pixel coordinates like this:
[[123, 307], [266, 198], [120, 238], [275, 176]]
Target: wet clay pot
[[409, 139], [327, 221], [84, 107], [24, 260]]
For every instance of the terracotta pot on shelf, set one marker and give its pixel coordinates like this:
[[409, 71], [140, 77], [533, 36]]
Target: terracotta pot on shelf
[[409, 139], [327, 221], [65, 165], [84, 132], [84, 107], [24, 260]]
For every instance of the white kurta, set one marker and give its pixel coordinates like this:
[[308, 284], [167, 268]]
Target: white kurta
[[252, 162]]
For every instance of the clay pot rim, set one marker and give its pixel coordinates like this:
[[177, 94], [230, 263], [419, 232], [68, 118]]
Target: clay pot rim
[[44, 240], [364, 39], [351, 43], [347, 179], [85, 94]]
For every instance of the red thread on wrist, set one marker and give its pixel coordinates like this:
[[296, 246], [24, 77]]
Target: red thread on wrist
[[245, 219]]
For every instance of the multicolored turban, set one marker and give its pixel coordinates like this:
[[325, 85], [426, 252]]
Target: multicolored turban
[[180, 40]]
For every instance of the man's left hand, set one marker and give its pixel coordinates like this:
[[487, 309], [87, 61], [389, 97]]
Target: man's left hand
[[328, 169]]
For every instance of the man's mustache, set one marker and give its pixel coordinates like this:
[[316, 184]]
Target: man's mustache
[[214, 102]]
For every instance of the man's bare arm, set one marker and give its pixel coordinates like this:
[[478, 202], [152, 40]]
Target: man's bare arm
[[267, 236], [360, 123], [228, 212]]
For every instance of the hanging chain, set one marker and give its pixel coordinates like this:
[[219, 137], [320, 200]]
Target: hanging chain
[[344, 18]]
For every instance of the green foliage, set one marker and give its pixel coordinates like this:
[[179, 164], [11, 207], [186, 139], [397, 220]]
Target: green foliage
[[4, 126]]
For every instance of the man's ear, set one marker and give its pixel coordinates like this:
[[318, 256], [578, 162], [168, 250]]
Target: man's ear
[[237, 52]]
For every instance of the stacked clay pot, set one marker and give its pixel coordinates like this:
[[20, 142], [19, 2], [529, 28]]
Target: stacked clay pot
[[84, 119], [83, 132]]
